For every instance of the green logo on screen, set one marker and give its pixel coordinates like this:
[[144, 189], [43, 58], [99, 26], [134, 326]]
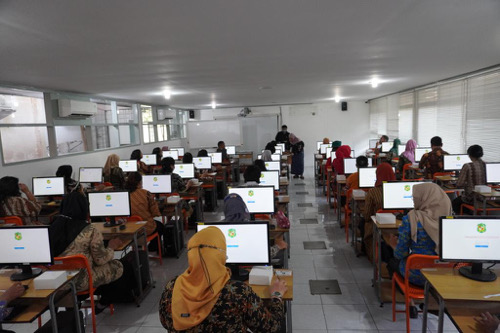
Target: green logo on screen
[[458, 158], [108, 197], [407, 188], [261, 175], [155, 179], [481, 228], [231, 233], [18, 236], [250, 193]]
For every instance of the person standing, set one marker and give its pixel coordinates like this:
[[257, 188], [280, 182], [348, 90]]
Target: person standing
[[297, 148], [284, 137]]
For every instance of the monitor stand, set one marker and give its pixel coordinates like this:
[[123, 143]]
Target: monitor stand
[[477, 273], [111, 223], [27, 273], [238, 274]]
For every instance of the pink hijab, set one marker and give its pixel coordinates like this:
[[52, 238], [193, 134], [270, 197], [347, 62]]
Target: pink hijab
[[341, 153], [293, 139], [409, 152]]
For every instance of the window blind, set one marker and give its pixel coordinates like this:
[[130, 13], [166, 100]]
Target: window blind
[[405, 121], [427, 114]]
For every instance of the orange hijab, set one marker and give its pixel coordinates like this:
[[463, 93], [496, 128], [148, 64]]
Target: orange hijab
[[197, 289]]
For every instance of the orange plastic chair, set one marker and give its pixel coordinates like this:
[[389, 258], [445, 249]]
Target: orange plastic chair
[[136, 218], [11, 220], [406, 168], [77, 262], [410, 291], [471, 207]]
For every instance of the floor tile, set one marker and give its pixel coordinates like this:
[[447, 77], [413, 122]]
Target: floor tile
[[350, 296], [302, 295], [345, 317], [308, 317], [383, 319]]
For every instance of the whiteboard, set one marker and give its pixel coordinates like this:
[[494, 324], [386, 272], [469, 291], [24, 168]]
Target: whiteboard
[[258, 131], [206, 133]]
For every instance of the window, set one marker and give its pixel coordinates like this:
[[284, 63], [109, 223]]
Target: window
[[162, 130], [70, 139], [378, 118], [148, 130], [405, 121], [34, 143]]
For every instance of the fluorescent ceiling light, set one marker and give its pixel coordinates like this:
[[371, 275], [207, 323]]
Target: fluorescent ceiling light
[[375, 82], [337, 99], [167, 93], [214, 105]]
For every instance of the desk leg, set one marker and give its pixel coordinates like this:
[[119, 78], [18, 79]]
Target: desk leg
[[53, 312], [135, 247], [379, 266], [441, 314], [289, 316], [339, 203], [374, 281], [354, 216], [426, 306], [324, 180]]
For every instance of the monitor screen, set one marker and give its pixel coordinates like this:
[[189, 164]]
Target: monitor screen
[[25, 245], [493, 173], [247, 243], [282, 145], [149, 159], [257, 199], [271, 178], [398, 195], [419, 152], [350, 165], [231, 150], [274, 157], [90, 175], [278, 149], [469, 239], [373, 143], [273, 165], [180, 150], [185, 170], [323, 147], [455, 162], [401, 149], [368, 176], [202, 162], [171, 153], [386, 146], [216, 157], [128, 166], [43, 186], [328, 153], [157, 183], [318, 144], [109, 204]]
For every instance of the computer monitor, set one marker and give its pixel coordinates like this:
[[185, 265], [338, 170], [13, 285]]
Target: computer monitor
[[180, 150], [386, 146], [353, 154], [350, 165], [318, 144], [401, 149], [231, 150], [247, 243], [274, 157], [329, 153], [25, 246], [128, 165], [202, 163], [398, 195], [493, 173], [372, 144], [419, 152], [368, 176], [185, 170], [471, 239], [278, 150], [109, 204], [271, 178], [171, 153], [455, 162], [48, 186], [273, 165], [282, 145], [149, 159], [259, 200], [216, 157], [323, 147], [157, 183], [90, 175]]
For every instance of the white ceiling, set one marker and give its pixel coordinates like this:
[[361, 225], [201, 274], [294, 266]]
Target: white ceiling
[[305, 50]]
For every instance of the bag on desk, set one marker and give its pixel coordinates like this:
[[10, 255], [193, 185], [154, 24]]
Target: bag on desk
[[282, 221]]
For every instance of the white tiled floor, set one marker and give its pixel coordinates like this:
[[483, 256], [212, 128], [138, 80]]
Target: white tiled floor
[[356, 310]]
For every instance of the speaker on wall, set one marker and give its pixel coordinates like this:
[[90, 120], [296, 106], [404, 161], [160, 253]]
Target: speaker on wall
[[191, 114], [343, 106]]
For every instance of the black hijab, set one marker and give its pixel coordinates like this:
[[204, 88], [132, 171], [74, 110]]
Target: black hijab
[[68, 225]]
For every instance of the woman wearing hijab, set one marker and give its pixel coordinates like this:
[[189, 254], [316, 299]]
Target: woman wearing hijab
[[204, 299], [340, 154], [393, 152], [335, 145], [71, 234], [66, 171], [141, 166], [419, 231], [267, 156], [373, 202], [408, 156], [113, 173], [297, 148]]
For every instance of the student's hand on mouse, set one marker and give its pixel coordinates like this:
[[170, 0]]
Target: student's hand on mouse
[[393, 241], [278, 285], [280, 242], [114, 243], [14, 291], [487, 322]]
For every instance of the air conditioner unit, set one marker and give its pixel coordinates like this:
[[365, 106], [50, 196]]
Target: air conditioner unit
[[72, 108]]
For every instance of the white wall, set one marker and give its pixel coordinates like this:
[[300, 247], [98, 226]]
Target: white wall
[[313, 122]]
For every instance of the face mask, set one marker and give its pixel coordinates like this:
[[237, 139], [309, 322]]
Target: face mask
[[284, 131]]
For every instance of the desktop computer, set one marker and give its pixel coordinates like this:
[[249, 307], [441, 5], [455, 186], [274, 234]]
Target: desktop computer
[[90, 175], [202, 163], [157, 183], [231, 150], [171, 153], [109, 204], [386, 146], [216, 157], [455, 162], [48, 186], [493, 173], [179, 149], [273, 165], [270, 178], [149, 159], [398, 195], [259, 200], [185, 170], [128, 165], [419, 152]]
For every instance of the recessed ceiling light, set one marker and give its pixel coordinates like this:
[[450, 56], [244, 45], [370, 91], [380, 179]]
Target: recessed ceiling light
[[167, 93], [375, 82], [214, 105], [337, 99], [265, 87]]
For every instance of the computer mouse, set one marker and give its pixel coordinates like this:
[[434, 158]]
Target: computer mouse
[[122, 227]]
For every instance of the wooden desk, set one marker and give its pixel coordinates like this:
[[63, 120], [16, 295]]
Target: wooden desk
[[446, 284], [462, 314], [39, 300], [134, 231], [284, 183], [485, 198], [283, 200], [378, 230], [210, 185], [286, 237], [317, 165]]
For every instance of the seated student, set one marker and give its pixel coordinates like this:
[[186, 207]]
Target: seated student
[[66, 171], [113, 173], [202, 153], [178, 185], [159, 155], [419, 231], [378, 146], [326, 141], [187, 158], [71, 234], [16, 290], [373, 202], [221, 148], [352, 181], [393, 152], [142, 168], [252, 175], [13, 204], [205, 299], [267, 156], [472, 174], [340, 154], [406, 157], [271, 147], [235, 210], [260, 164], [433, 161], [143, 203]]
